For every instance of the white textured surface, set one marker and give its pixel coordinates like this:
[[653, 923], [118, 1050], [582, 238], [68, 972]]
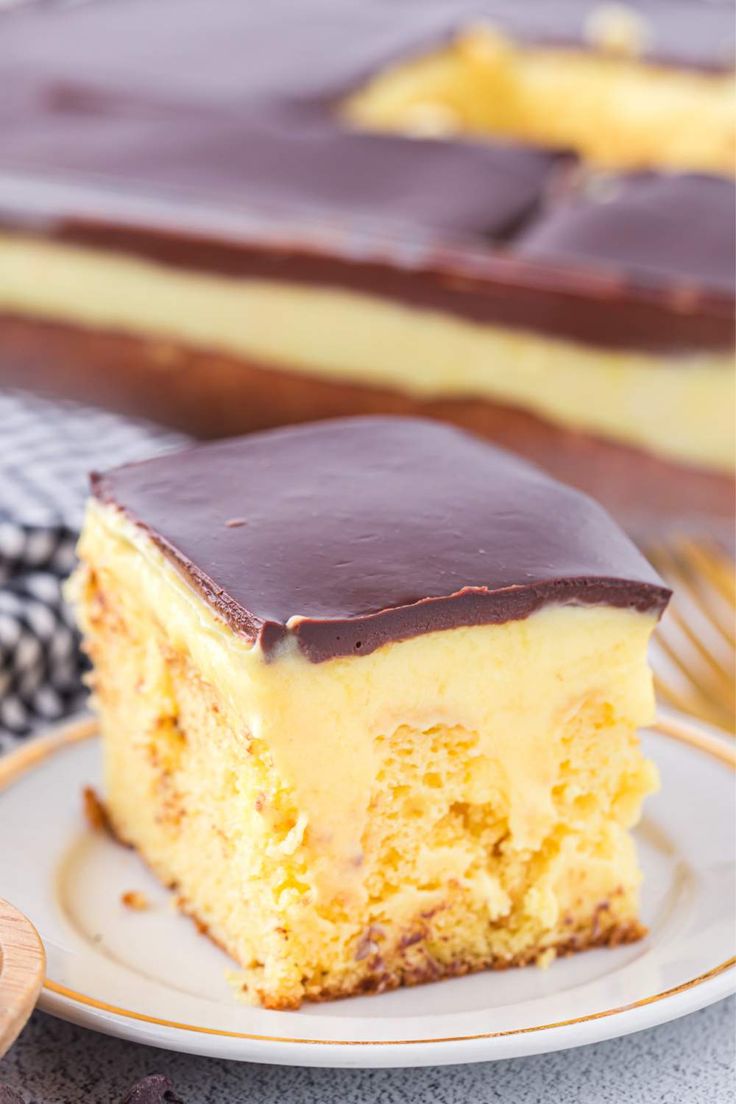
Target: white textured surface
[[692, 1060]]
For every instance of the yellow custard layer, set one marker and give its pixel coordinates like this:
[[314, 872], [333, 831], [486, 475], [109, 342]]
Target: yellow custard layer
[[453, 801], [681, 409], [606, 104]]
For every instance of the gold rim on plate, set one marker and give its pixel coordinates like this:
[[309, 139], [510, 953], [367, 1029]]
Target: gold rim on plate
[[18, 763]]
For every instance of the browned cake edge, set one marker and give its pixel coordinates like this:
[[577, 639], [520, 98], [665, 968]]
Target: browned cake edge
[[213, 394], [602, 932]]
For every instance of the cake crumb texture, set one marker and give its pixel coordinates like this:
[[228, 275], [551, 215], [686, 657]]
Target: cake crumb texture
[[135, 900], [442, 848], [610, 104]]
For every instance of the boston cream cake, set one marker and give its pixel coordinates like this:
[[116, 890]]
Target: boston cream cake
[[596, 78], [369, 692], [283, 213]]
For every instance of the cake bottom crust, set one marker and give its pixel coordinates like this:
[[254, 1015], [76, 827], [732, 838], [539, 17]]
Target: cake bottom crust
[[602, 931], [211, 394], [382, 980]]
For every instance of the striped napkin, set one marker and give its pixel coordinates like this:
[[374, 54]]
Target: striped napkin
[[46, 451]]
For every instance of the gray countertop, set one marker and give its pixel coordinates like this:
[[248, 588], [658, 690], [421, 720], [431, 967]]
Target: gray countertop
[[689, 1061]]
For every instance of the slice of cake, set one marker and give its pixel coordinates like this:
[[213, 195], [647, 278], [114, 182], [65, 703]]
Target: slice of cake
[[369, 692]]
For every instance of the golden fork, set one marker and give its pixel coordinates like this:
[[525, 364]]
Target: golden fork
[[694, 648]]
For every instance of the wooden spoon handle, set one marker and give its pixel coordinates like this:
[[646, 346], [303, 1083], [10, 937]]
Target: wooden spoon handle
[[22, 968]]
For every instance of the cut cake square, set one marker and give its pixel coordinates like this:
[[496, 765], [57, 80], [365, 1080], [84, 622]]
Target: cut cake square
[[369, 692]]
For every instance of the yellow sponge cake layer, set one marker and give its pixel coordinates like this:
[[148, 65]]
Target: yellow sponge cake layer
[[673, 405], [449, 801], [608, 104]]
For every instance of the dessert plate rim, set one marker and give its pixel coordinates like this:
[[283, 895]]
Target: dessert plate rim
[[703, 988]]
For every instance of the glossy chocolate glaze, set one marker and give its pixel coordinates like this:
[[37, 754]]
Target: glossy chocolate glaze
[[649, 495], [349, 534], [238, 113], [648, 223], [619, 306]]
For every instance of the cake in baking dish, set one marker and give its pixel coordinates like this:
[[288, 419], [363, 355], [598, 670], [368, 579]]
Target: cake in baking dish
[[369, 693], [517, 217]]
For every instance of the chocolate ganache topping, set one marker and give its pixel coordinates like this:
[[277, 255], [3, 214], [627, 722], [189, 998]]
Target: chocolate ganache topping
[[232, 125], [346, 535]]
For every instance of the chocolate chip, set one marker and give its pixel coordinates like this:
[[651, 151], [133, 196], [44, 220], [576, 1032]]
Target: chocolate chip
[[154, 1089]]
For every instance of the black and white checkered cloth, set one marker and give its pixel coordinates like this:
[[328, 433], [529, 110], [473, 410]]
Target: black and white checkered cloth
[[46, 451]]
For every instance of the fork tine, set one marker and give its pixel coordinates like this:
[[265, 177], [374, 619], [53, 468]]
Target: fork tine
[[684, 702], [704, 691], [694, 649], [707, 570], [691, 588], [709, 560], [721, 670]]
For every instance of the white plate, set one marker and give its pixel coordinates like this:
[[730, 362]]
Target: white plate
[[148, 976]]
